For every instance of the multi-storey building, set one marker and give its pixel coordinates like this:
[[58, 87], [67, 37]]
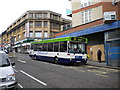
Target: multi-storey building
[[99, 21], [0, 43], [32, 25]]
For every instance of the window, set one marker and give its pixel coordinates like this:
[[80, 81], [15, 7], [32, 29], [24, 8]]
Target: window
[[50, 46], [85, 3], [15, 39], [18, 30], [38, 24], [63, 46], [56, 47], [45, 23], [38, 34], [31, 15], [39, 47], [18, 36], [75, 47], [45, 15], [31, 34], [31, 24], [45, 47], [24, 34], [64, 28], [23, 27], [34, 47], [86, 16], [4, 62], [56, 26], [38, 15], [55, 17], [45, 34]]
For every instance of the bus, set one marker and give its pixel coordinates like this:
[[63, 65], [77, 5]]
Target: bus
[[60, 50]]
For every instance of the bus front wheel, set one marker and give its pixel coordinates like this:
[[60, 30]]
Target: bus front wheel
[[34, 57]]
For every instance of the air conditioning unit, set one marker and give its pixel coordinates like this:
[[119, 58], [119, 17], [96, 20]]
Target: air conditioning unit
[[109, 16]]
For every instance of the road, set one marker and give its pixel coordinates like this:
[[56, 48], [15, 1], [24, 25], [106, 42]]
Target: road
[[38, 74]]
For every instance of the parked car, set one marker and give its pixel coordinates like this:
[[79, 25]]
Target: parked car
[[7, 74]]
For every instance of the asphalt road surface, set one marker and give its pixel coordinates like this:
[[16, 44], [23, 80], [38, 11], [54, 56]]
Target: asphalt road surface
[[38, 74]]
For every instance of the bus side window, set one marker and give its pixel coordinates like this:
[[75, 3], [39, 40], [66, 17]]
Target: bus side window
[[35, 47], [40, 47], [50, 46], [56, 47], [45, 46], [32, 46], [63, 46]]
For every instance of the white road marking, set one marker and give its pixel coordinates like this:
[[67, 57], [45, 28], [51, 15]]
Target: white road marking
[[20, 85], [22, 61], [102, 75], [33, 78], [15, 70]]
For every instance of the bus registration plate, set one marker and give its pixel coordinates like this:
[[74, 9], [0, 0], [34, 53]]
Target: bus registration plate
[[78, 57]]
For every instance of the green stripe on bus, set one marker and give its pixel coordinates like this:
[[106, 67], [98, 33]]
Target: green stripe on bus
[[77, 39]]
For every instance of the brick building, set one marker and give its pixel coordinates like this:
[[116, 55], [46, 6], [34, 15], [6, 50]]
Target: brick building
[[32, 25], [99, 21]]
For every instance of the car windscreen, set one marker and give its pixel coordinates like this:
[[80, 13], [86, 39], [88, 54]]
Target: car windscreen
[[4, 61]]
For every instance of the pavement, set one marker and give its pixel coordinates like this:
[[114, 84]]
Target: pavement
[[102, 64]]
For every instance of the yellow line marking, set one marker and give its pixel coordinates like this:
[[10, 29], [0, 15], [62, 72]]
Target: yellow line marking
[[97, 71], [81, 70]]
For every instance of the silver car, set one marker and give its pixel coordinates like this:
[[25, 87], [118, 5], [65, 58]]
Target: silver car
[[7, 74]]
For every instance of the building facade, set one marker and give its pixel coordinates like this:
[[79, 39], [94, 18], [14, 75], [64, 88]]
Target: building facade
[[99, 21], [32, 25]]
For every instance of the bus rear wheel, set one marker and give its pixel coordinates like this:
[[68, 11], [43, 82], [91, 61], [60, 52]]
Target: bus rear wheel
[[34, 57], [55, 60]]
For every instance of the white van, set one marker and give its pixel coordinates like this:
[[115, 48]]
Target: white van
[[7, 74]]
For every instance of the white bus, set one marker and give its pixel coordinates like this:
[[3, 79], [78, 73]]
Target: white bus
[[60, 50]]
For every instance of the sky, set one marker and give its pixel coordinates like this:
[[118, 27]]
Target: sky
[[10, 10]]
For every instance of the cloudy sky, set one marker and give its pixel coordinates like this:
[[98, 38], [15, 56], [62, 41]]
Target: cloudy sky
[[10, 10]]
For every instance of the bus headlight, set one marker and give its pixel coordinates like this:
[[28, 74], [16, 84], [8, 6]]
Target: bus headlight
[[11, 78]]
